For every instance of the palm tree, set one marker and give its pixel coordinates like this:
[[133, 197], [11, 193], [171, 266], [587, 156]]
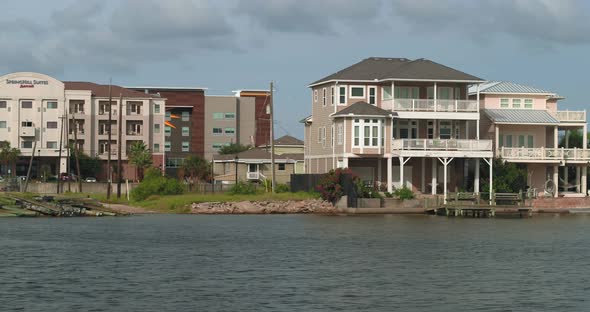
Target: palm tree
[[195, 168], [141, 157], [9, 156]]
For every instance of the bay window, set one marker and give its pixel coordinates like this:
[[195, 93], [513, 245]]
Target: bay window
[[367, 132]]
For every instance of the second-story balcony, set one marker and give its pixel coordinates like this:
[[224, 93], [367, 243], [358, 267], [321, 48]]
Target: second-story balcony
[[571, 116], [442, 148], [431, 105], [544, 154]]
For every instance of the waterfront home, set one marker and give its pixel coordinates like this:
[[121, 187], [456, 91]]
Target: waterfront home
[[525, 123], [398, 122], [254, 165]]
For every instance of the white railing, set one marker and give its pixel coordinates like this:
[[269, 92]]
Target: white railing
[[253, 175], [571, 116], [442, 145], [421, 105], [543, 153]]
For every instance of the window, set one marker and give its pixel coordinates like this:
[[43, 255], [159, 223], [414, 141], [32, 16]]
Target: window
[[156, 128], [319, 134], [26, 104], [500, 140], [340, 131], [342, 95], [445, 130], [445, 93], [51, 144], [357, 92], [407, 92], [185, 131], [26, 124], [332, 95], [168, 116], [26, 144], [370, 132], [173, 162], [217, 131], [134, 108], [217, 115], [315, 95], [52, 125], [324, 97], [52, 105], [515, 103], [528, 103], [430, 130], [521, 141], [229, 116], [2, 124], [167, 146], [156, 147], [504, 103], [230, 131], [168, 131], [508, 141], [457, 94], [77, 107], [386, 93], [156, 108], [281, 167], [332, 135], [372, 95], [530, 141], [185, 116], [185, 146], [2, 104]]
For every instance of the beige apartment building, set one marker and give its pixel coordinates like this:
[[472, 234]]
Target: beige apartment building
[[38, 112]]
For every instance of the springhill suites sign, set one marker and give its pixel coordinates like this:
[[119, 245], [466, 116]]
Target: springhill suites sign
[[26, 83]]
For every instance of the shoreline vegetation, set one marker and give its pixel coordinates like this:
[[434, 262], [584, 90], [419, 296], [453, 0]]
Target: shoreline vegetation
[[178, 204]]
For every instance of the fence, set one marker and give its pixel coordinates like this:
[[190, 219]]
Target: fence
[[305, 182]]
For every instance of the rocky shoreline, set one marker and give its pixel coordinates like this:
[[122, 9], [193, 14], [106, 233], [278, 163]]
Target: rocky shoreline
[[317, 206]]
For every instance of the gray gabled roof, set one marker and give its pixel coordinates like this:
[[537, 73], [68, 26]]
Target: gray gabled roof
[[380, 68], [363, 109], [521, 116], [501, 87]]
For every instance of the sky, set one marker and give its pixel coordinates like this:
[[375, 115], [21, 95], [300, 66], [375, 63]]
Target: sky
[[227, 45]]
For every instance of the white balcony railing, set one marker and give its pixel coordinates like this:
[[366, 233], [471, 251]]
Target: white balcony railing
[[442, 145], [543, 153], [27, 132], [571, 116], [253, 175], [421, 105]]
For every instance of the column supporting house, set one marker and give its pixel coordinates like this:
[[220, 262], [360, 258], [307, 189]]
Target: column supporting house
[[445, 161], [566, 173], [555, 137], [402, 162], [477, 123], [435, 97], [476, 179], [379, 169], [497, 137], [578, 184], [490, 162], [434, 173], [423, 180], [390, 174], [584, 177], [556, 180]]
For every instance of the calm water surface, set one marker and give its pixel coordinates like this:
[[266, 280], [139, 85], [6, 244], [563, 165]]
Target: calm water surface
[[295, 263]]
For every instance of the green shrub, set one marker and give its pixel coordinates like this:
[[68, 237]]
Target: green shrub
[[243, 188], [404, 193], [365, 191], [330, 186], [388, 195], [282, 188], [155, 184]]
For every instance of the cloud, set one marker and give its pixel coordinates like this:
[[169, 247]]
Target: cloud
[[544, 21], [310, 16]]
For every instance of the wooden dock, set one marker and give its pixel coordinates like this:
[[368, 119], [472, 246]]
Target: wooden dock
[[470, 205]]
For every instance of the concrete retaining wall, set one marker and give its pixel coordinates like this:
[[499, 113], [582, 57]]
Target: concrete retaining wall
[[95, 188]]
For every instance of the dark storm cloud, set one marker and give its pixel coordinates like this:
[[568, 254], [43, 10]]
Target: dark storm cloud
[[545, 21], [310, 16]]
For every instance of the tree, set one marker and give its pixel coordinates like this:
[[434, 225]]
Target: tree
[[141, 157], [575, 139], [89, 166], [233, 148], [508, 177], [195, 168], [9, 156]]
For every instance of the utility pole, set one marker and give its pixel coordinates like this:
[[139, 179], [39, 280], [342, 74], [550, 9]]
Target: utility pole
[[61, 146], [31, 163], [110, 127], [69, 175], [272, 140], [77, 153], [119, 138]]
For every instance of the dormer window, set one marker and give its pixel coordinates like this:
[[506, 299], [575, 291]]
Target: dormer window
[[504, 103], [528, 103]]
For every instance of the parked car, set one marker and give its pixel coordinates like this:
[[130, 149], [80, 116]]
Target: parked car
[[90, 179]]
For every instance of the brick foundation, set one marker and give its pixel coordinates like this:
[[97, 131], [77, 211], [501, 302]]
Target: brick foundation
[[561, 204]]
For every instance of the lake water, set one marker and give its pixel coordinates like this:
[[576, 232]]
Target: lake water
[[295, 263]]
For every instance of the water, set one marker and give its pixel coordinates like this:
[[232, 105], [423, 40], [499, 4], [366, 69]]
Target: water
[[295, 263]]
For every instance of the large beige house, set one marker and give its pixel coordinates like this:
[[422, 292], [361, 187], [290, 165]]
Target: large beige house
[[423, 125]]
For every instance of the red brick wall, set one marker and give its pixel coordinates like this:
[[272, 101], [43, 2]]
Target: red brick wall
[[262, 100], [561, 203], [196, 99]]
